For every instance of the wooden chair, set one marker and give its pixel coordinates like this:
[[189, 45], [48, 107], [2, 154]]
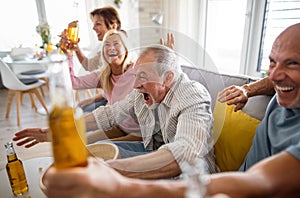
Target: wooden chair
[[16, 87]]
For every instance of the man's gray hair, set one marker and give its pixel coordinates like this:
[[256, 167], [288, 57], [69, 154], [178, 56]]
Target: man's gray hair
[[165, 58]]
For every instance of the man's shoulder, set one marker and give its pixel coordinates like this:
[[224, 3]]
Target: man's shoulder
[[186, 93], [190, 87]]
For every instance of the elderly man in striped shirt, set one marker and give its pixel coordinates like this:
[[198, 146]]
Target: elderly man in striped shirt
[[174, 115]]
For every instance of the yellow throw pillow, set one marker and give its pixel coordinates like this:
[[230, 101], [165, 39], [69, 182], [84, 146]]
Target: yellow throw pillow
[[233, 133]]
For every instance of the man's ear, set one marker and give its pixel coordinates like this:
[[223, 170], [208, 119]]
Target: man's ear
[[169, 78]]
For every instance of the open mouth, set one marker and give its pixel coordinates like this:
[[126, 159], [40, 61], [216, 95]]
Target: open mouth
[[113, 54], [284, 88], [146, 96]]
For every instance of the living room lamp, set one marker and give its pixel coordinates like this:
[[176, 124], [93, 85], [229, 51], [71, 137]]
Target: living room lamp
[[158, 17]]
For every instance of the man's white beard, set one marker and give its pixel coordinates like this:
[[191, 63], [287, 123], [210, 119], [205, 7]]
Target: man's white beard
[[154, 104]]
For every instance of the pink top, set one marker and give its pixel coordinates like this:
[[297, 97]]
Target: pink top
[[122, 86]]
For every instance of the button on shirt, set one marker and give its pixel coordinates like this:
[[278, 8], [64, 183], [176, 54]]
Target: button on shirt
[[185, 121]]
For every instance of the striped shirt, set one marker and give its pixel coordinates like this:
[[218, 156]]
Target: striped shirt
[[185, 121]]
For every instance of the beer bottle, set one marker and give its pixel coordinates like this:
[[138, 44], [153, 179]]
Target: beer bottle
[[66, 122], [73, 29], [15, 171]]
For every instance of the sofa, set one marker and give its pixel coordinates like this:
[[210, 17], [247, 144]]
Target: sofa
[[233, 131]]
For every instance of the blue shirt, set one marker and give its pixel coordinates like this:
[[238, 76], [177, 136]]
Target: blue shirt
[[278, 131]]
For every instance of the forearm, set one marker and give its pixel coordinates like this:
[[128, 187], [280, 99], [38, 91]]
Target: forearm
[[276, 176], [160, 189], [235, 184], [80, 56], [155, 165], [128, 137], [260, 87], [99, 97], [90, 122]]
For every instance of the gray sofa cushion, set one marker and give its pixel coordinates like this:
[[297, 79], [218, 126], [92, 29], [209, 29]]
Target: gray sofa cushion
[[216, 82]]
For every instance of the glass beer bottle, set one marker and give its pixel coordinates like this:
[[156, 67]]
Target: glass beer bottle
[[66, 122], [15, 171], [73, 29], [72, 33]]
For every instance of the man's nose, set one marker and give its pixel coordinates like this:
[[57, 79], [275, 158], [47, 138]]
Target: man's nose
[[276, 73], [137, 83]]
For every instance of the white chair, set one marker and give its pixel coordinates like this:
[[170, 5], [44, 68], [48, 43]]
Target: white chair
[[16, 87], [36, 73]]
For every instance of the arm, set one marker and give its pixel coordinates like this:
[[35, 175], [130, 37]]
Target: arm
[[158, 164], [268, 178], [83, 82], [80, 56], [84, 182], [88, 101], [128, 137], [239, 95], [89, 64], [276, 176]]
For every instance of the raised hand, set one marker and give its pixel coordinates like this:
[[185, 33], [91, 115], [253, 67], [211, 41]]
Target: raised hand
[[170, 40], [65, 43], [31, 136]]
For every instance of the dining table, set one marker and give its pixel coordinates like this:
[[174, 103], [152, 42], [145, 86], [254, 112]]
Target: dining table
[[33, 170], [28, 63]]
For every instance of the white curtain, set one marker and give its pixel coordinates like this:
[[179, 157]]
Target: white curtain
[[188, 20]]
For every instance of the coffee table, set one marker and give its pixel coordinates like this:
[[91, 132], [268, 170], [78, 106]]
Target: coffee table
[[33, 169]]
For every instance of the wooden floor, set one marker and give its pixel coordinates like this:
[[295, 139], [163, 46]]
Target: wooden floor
[[29, 118]]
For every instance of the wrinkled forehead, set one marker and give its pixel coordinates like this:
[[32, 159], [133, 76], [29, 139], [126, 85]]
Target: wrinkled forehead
[[148, 67], [146, 72], [146, 64]]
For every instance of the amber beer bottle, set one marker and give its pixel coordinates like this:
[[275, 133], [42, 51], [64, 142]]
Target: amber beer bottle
[[72, 33], [15, 171], [66, 122], [73, 29]]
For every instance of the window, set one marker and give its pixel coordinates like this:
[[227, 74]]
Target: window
[[18, 20], [225, 31], [68, 10], [279, 14]]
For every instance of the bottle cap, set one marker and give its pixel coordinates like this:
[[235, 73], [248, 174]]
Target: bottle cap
[[8, 144]]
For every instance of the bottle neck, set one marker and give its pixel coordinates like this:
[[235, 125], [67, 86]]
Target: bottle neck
[[10, 153], [11, 158], [60, 85]]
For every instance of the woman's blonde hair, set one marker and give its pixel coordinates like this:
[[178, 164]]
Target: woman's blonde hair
[[105, 72]]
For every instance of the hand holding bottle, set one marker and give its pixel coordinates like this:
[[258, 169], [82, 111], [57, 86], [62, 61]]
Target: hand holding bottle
[[69, 38]]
